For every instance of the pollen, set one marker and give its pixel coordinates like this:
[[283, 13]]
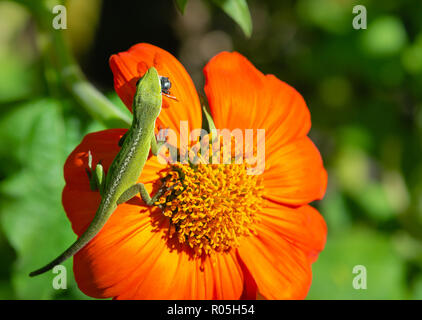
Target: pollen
[[211, 206]]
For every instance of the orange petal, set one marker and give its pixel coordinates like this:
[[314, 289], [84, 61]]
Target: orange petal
[[250, 289], [130, 65], [295, 174], [303, 226], [279, 258], [130, 259], [79, 201], [175, 275], [103, 268], [240, 96]]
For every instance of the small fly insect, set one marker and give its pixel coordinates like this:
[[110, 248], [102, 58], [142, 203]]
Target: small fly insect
[[165, 87]]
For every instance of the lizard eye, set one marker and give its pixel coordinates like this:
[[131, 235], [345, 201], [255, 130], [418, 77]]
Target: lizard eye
[[165, 84]]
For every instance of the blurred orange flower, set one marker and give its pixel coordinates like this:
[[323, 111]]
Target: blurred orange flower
[[229, 235]]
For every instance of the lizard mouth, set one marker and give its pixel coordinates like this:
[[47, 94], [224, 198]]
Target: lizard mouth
[[210, 206]]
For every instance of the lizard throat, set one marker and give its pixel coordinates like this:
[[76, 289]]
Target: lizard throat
[[210, 206]]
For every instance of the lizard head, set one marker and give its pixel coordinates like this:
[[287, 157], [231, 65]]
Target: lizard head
[[147, 101]]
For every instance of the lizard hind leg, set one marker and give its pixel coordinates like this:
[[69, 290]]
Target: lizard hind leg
[[140, 188], [133, 191]]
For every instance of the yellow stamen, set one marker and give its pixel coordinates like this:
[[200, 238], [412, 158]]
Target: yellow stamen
[[211, 206]]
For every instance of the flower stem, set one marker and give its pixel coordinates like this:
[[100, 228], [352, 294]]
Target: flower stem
[[69, 72], [92, 100]]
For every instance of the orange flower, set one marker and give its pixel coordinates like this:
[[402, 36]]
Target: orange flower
[[229, 235]]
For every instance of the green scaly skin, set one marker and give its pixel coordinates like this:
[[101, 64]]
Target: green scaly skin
[[120, 184]]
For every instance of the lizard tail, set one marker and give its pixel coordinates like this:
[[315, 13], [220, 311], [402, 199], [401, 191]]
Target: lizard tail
[[96, 225]]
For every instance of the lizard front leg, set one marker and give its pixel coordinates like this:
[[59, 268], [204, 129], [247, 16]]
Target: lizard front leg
[[97, 176], [160, 141], [156, 145]]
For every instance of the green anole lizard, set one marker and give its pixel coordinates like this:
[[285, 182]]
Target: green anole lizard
[[120, 184]]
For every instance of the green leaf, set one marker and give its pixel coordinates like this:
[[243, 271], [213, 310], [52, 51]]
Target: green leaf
[[181, 5], [7, 255], [208, 122], [238, 10], [333, 272], [336, 212], [31, 214], [417, 290], [386, 36]]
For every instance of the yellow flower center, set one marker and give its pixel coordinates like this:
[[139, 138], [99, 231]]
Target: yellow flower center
[[211, 206]]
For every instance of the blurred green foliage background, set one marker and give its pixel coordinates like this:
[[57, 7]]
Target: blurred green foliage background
[[363, 88]]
